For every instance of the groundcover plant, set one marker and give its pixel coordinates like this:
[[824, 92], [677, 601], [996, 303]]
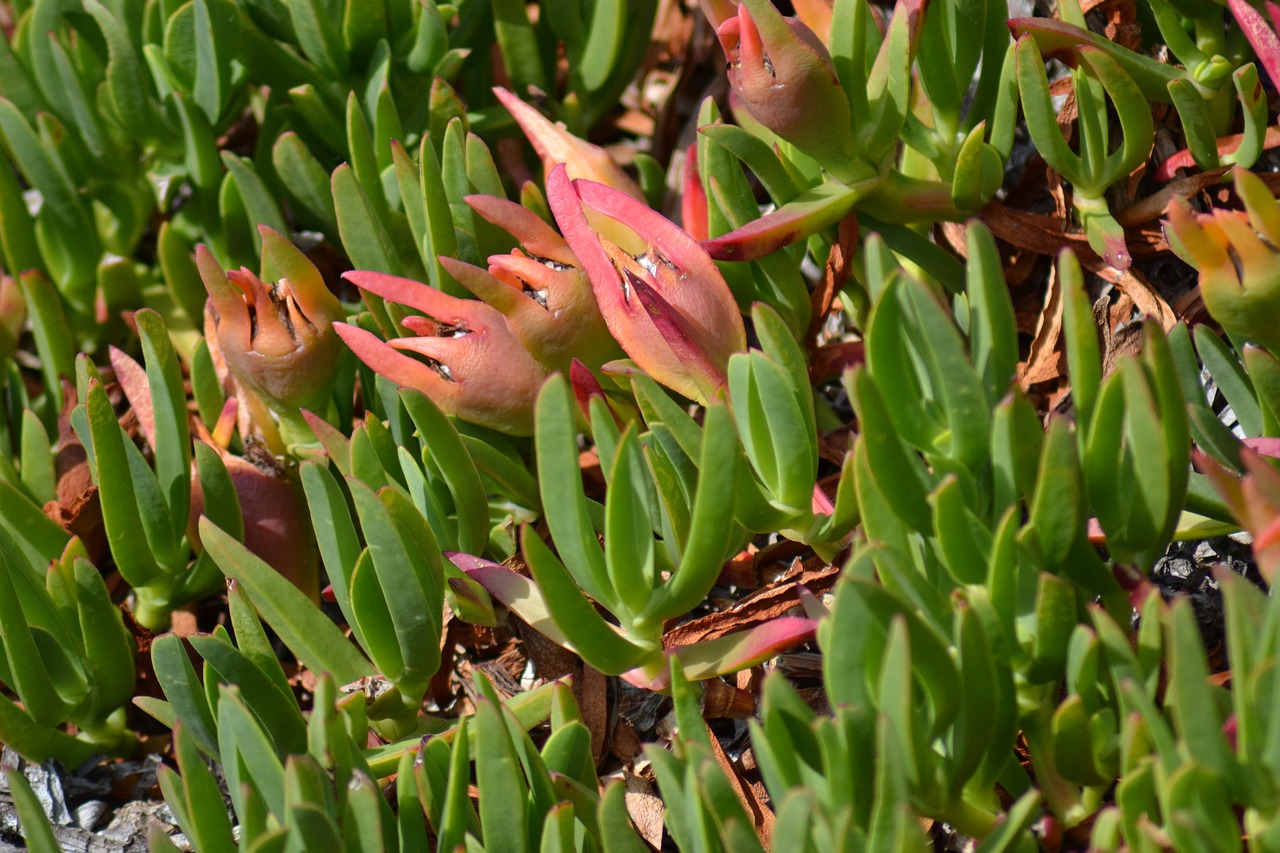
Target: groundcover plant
[[639, 424]]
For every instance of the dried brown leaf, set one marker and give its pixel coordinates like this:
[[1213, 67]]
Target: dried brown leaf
[[592, 692], [721, 699], [835, 275], [1135, 285], [759, 810], [1045, 361], [645, 808], [762, 606]]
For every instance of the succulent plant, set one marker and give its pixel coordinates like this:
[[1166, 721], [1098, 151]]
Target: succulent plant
[[366, 368]]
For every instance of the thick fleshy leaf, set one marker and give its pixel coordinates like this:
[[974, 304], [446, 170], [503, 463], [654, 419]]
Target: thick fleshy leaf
[[733, 652], [808, 214], [516, 592], [309, 633], [1060, 40]]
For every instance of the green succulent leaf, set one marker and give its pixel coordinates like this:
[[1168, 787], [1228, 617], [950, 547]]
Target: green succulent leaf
[[305, 179], [38, 538], [195, 798], [503, 809], [112, 472], [1033, 87], [247, 754], [410, 587], [711, 532], [363, 235], [320, 37], [898, 476], [181, 687], [575, 618], [277, 711], [1194, 706], [1057, 507], [110, 649], [560, 485], [444, 446], [316, 641]]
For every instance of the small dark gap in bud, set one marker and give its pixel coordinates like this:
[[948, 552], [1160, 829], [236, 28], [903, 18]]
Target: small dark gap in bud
[[438, 367], [548, 262], [282, 311], [1236, 262], [628, 281], [452, 330], [538, 296], [669, 264]]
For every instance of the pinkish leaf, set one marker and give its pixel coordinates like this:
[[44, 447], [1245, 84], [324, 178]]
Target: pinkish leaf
[[132, 379], [335, 444], [1226, 144], [404, 291], [730, 653], [1226, 483], [1264, 446], [680, 336], [817, 209], [225, 426], [557, 146], [585, 386], [515, 592], [388, 361], [821, 504]]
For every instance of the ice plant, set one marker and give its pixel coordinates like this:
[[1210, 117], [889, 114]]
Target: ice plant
[[277, 339], [472, 366], [667, 305], [1095, 168], [784, 75], [1237, 258], [540, 288]]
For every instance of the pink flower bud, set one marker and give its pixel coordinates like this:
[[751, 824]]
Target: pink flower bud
[[542, 290], [470, 362], [784, 76], [667, 305]]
